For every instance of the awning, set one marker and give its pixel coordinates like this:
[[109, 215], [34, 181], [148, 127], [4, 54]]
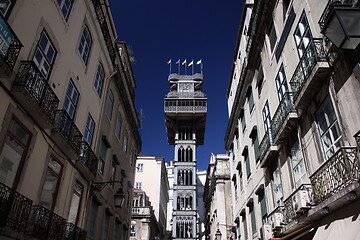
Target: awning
[[345, 228]]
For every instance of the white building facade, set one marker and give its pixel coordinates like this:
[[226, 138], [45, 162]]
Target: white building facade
[[293, 123]]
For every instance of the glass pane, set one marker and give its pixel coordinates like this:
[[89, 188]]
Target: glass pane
[[74, 208], [19, 132], [10, 158], [55, 166], [49, 189]]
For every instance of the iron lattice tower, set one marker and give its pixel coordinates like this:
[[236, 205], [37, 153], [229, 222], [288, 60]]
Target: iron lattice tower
[[185, 110]]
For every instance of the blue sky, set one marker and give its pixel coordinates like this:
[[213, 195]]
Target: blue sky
[[160, 30]]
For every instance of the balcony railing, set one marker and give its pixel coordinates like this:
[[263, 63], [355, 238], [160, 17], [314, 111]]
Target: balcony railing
[[265, 145], [65, 125], [14, 209], [185, 106], [313, 54], [30, 78], [357, 139], [141, 211], [72, 232], [338, 172], [331, 3], [88, 157], [291, 204], [10, 45], [196, 94], [44, 224], [285, 107]]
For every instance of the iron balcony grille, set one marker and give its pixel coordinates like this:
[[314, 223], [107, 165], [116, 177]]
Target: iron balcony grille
[[313, 54], [36, 85], [285, 107], [185, 105], [10, 45], [338, 172], [65, 125], [88, 157], [265, 145], [14, 209], [44, 224], [331, 3], [72, 232], [196, 94]]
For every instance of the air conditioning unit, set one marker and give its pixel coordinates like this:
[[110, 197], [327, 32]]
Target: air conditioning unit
[[266, 232], [301, 201], [277, 220]]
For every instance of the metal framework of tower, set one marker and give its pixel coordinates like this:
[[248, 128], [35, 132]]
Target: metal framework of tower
[[185, 108]]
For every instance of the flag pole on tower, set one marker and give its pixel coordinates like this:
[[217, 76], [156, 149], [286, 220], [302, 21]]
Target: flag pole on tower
[[169, 62]]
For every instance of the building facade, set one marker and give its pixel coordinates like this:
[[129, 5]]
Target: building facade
[[58, 63], [293, 125], [217, 198], [144, 224], [185, 112], [151, 177]]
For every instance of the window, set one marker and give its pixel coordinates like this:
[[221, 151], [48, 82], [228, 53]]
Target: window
[[297, 164], [328, 128], [239, 168], [286, 4], [277, 187], [125, 146], [245, 226], [116, 230], [6, 6], [44, 54], [99, 79], [102, 156], [302, 35], [118, 125], [109, 104], [85, 44], [65, 7], [89, 130], [51, 184], [13, 152], [243, 120], [235, 186], [250, 98], [255, 141], [272, 35], [138, 185], [262, 200], [267, 120], [247, 162], [140, 167], [260, 79], [281, 84], [71, 99], [253, 218], [105, 228], [75, 202], [113, 174], [92, 219]]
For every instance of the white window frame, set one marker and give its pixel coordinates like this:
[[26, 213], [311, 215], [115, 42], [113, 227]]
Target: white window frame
[[89, 129], [281, 83], [85, 44], [65, 7], [140, 167], [44, 55], [71, 99], [99, 79]]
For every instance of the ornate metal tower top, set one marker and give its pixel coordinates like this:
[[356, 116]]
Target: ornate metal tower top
[[185, 108]]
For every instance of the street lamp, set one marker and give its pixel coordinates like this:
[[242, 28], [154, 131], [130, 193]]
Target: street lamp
[[218, 235], [342, 26], [119, 196]]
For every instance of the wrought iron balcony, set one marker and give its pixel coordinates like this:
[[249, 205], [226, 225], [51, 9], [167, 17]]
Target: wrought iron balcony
[[337, 173], [30, 79], [10, 47], [357, 139], [69, 131], [141, 211], [14, 209], [72, 232], [87, 162], [44, 224], [178, 106], [313, 67], [267, 149], [338, 3], [284, 117], [297, 203]]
